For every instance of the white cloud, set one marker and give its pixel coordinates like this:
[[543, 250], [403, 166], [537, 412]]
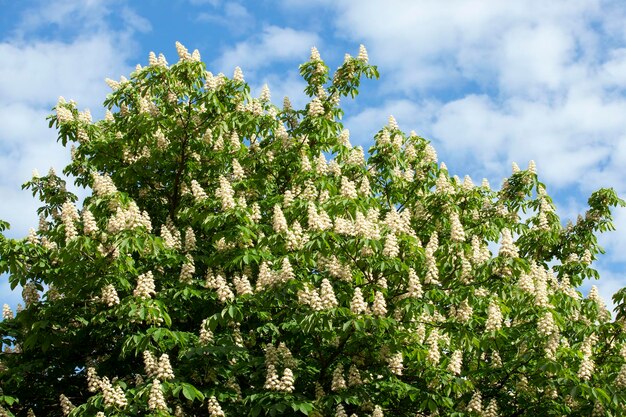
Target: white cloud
[[38, 73], [544, 78], [273, 45]]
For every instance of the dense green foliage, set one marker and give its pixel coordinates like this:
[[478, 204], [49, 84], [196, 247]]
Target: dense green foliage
[[243, 259]]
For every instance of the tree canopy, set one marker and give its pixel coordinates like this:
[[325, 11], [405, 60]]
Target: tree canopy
[[237, 258]]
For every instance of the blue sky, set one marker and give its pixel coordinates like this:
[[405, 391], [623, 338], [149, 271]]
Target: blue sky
[[489, 82]]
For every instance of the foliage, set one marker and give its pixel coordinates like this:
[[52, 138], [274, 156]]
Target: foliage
[[238, 258]]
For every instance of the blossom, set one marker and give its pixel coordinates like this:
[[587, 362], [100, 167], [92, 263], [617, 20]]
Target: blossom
[[279, 221], [109, 295], [395, 363], [391, 249], [457, 234], [362, 54], [433, 354], [69, 215], [358, 305], [113, 396], [475, 405], [432, 272], [102, 185], [316, 108], [214, 408], [379, 308], [206, 335], [494, 317], [164, 369], [89, 222], [507, 247], [492, 408], [7, 313], [188, 270], [145, 286], [156, 400], [226, 194], [66, 405], [338, 381], [242, 285], [238, 75], [287, 380], [456, 360]]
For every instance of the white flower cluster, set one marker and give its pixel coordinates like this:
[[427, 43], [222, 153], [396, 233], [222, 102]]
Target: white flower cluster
[[242, 284], [378, 412], [156, 399], [463, 312], [457, 234], [480, 251], [197, 191], [295, 238], [161, 369], [338, 382], [507, 246], [171, 236], [187, 270], [587, 365], [366, 225], [102, 185], [492, 409], [145, 286], [475, 404], [238, 75], [414, 287], [620, 380], [214, 408], [66, 405], [348, 188], [335, 268], [494, 317], [275, 357], [391, 248], [398, 222], [220, 285], [433, 355], [64, 115], [316, 108], [279, 221], [190, 240], [89, 223], [340, 411], [7, 313], [594, 296], [69, 215], [318, 220], [379, 307], [432, 272], [109, 295], [319, 299], [129, 218], [395, 363], [30, 294], [226, 194], [206, 335], [267, 277], [358, 304], [540, 280], [113, 396], [456, 361]]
